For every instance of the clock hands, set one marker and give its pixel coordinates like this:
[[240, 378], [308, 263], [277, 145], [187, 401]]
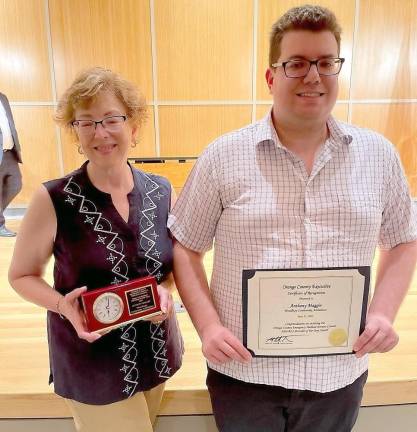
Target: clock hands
[[109, 308]]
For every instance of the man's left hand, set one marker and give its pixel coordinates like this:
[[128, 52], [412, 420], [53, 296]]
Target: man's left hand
[[378, 336]]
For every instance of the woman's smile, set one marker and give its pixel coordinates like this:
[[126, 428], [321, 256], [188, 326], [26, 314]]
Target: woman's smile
[[105, 149]]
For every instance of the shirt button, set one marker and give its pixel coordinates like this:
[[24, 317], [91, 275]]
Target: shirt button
[[307, 221]]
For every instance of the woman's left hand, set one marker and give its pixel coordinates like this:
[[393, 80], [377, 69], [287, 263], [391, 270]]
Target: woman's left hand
[[167, 305]]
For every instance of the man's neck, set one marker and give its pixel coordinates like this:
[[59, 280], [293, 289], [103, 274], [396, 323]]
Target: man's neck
[[301, 137]]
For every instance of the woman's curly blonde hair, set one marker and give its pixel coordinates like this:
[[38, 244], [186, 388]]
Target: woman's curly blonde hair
[[88, 84]]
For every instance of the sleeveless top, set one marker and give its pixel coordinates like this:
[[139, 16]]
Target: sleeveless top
[[95, 247]]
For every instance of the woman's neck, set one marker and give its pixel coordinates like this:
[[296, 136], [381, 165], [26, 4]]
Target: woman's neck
[[115, 179]]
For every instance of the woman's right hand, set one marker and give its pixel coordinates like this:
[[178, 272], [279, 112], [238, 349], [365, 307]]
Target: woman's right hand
[[69, 306]]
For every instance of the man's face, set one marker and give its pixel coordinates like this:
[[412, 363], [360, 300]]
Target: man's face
[[312, 97]]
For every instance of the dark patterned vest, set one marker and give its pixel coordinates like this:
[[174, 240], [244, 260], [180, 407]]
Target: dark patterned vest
[[95, 247]]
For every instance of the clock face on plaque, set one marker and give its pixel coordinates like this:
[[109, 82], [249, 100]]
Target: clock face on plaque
[[107, 308]]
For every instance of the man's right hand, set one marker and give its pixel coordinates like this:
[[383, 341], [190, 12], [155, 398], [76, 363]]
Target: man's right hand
[[220, 345], [70, 307]]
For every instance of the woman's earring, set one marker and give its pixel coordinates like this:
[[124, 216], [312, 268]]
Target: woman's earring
[[80, 150], [134, 143]]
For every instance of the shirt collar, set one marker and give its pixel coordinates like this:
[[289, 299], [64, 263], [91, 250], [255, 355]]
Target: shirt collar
[[266, 132], [338, 135]]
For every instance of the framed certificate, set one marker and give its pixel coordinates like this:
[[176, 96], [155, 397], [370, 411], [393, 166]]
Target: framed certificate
[[304, 312]]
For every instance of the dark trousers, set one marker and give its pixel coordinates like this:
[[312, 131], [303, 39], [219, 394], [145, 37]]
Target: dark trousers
[[10, 181], [244, 407]]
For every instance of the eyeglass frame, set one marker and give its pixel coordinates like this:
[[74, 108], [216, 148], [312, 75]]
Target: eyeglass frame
[[312, 62], [96, 122]]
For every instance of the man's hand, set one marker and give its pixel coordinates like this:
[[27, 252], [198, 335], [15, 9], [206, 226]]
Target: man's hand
[[378, 336], [220, 345], [69, 306]]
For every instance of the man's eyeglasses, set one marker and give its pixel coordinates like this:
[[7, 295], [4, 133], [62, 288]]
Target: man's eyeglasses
[[300, 68], [88, 127]]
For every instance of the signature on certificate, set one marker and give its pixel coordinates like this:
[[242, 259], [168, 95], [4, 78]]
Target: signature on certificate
[[279, 340]]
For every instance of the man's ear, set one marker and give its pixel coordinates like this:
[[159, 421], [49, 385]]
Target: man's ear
[[269, 76]]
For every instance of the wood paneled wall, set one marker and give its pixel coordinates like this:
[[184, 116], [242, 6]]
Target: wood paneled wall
[[201, 65]]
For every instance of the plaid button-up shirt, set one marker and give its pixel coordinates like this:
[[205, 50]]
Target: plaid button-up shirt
[[255, 198]]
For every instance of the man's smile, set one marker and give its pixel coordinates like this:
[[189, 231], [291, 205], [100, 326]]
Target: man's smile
[[310, 94]]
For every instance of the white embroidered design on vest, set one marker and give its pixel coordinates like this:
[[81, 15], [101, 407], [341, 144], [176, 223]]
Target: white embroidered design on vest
[[148, 237], [114, 244]]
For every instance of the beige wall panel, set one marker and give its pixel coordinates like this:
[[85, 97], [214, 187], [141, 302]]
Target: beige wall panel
[[262, 110], [146, 139], [145, 147], [38, 141], [397, 122], [385, 63], [71, 158], [187, 130], [110, 33], [24, 64], [340, 111], [176, 173], [204, 49], [271, 10]]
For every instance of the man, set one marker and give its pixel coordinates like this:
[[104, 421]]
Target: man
[[10, 155], [297, 189]]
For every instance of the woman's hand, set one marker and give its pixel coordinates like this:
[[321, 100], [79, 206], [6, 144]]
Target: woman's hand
[[69, 306], [167, 305]]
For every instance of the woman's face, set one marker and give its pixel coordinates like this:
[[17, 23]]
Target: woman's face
[[105, 146]]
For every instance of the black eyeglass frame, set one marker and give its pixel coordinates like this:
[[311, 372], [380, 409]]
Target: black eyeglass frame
[[312, 62], [75, 123]]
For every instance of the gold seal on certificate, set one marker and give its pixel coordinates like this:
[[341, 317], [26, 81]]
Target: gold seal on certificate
[[304, 312]]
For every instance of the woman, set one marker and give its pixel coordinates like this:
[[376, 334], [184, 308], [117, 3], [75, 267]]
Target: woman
[[104, 223]]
